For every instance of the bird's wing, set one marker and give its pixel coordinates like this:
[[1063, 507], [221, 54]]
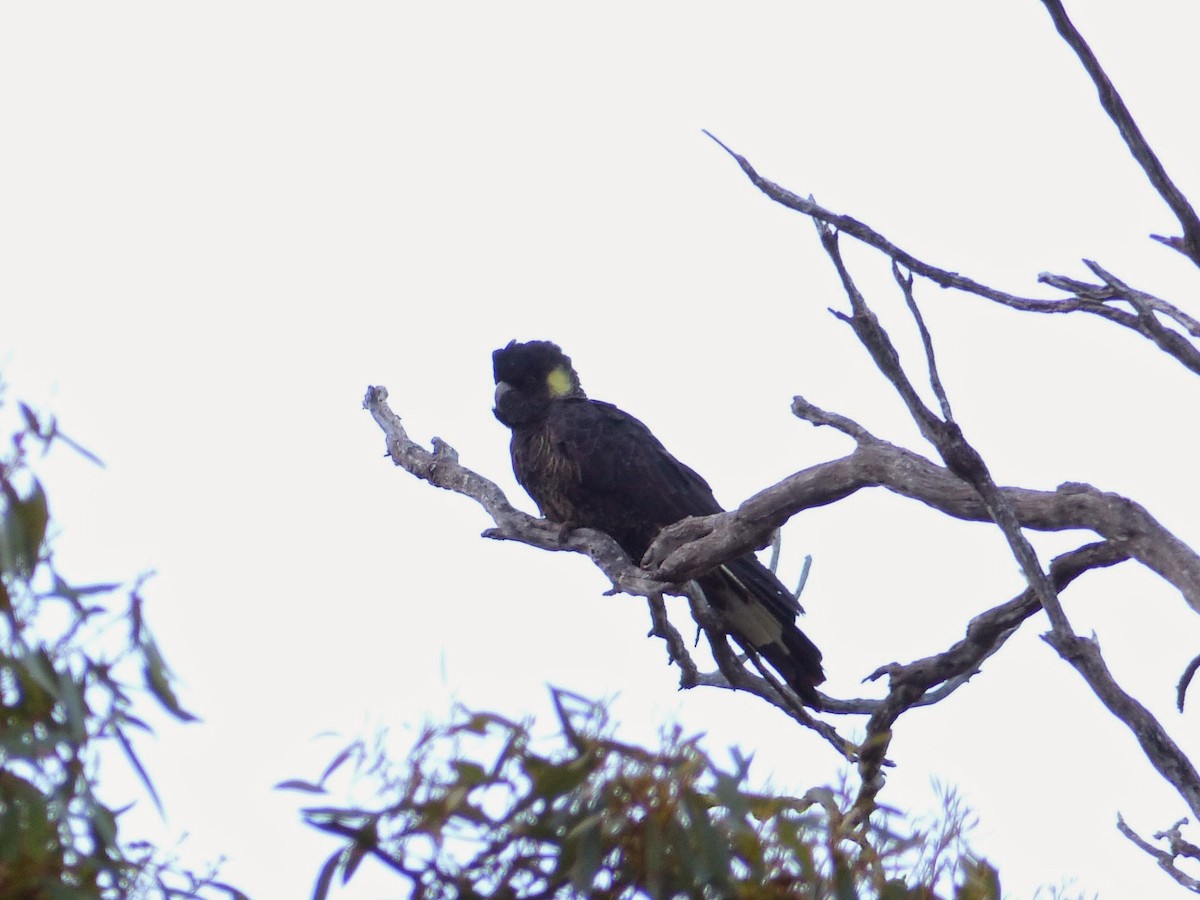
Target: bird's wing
[[631, 487], [620, 457]]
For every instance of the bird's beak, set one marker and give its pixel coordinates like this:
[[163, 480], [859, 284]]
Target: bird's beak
[[502, 388]]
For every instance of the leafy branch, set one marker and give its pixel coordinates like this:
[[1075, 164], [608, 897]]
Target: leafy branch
[[483, 808], [75, 663]]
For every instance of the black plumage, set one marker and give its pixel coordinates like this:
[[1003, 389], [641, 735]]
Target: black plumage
[[589, 464]]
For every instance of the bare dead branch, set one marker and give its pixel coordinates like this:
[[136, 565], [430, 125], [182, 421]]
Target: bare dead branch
[[872, 238], [929, 680], [440, 467], [905, 281], [1186, 353], [1189, 246], [803, 579], [1083, 290], [1165, 858], [1115, 288], [965, 462], [687, 549], [989, 630], [677, 651], [1179, 845], [1164, 754], [872, 335], [1144, 319], [1148, 323], [1185, 681]]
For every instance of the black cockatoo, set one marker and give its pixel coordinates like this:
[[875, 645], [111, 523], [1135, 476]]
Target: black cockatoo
[[589, 464]]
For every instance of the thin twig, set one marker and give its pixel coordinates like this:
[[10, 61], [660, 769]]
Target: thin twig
[[677, 651], [869, 236], [1185, 681], [803, 580], [935, 380]]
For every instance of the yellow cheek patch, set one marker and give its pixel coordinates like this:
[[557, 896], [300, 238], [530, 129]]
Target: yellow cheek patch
[[559, 381]]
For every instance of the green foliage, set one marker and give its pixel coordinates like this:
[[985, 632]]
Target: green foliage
[[478, 811], [68, 654]]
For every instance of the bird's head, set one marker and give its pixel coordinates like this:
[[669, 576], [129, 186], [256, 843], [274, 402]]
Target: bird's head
[[529, 378]]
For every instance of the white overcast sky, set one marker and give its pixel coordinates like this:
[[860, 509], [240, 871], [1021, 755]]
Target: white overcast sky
[[220, 222]]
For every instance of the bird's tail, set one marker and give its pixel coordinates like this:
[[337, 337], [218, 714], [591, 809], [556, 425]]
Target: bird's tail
[[760, 614]]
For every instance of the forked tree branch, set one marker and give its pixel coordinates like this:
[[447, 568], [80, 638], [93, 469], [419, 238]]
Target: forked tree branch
[[1176, 847], [932, 679], [686, 549], [1098, 304]]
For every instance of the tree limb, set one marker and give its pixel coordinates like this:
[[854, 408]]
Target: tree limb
[[930, 680], [1164, 754], [687, 549], [1189, 246], [441, 468], [1182, 350]]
